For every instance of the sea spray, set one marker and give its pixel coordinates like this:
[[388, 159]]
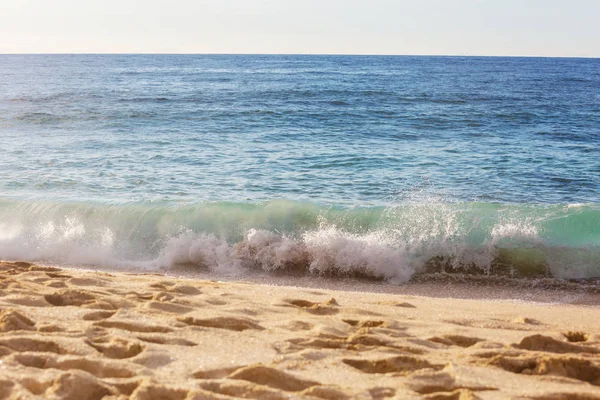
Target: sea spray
[[285, 236]]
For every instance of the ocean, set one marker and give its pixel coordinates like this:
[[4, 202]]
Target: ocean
[[379, 167]]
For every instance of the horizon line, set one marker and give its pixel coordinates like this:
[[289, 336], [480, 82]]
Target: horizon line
[[294, 54]]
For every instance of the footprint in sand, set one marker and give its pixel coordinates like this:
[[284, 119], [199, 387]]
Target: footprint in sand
[[50, 328], [215, 373], [70, 297], [402, 304], [237, 389], [364, 338], [77, 385], [152, 391], [271, 377], [330, 392], [167, 307], [399, 364], [316, 292], [133, 326], [363, 324], [15, 321], [58, 275], [440, 383], [325, 308], [186, 290], [456, 340], [548, 344], [56, 284], [116, 347], [520, 324], [162, 285], [216, 302], [526, 321], [229, 323], [162, 296], [88, 281], [27, 301], [166, 340], [98, 315], [97, 368], [381, 392], [154, 360], [576, 336], [567, 366], [21, 344], [132, 295], [295, 326]]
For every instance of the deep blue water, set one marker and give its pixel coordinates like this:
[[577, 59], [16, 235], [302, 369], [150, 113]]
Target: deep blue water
[[121, 155], [327, 129]]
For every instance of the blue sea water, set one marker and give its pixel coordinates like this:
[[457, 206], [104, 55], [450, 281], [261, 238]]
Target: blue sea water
[[376, 165]]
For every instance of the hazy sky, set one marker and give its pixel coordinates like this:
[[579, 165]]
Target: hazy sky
[[468, 27]]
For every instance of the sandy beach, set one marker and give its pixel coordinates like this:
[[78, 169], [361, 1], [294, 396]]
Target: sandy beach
[[70, 334]]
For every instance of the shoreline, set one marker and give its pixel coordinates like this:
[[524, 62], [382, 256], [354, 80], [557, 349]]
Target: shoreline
[[435, 285], [81, 334]]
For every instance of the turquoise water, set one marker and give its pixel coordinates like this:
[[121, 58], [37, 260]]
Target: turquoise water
[[381, 166]]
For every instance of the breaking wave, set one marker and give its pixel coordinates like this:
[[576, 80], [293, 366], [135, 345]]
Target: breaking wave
[[394, 243]]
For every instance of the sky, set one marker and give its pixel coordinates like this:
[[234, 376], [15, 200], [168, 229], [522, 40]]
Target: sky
[[567, 28]]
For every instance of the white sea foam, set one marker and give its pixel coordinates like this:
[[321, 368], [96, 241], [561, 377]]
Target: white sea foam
[[403, 241]]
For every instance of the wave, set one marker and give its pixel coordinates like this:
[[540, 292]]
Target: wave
[[394, 243], [41, 118]]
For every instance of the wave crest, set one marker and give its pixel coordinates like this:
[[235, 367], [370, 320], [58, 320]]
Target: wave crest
[[393, 243]]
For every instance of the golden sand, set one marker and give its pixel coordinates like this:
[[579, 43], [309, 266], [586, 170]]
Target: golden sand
[[68, 334]]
